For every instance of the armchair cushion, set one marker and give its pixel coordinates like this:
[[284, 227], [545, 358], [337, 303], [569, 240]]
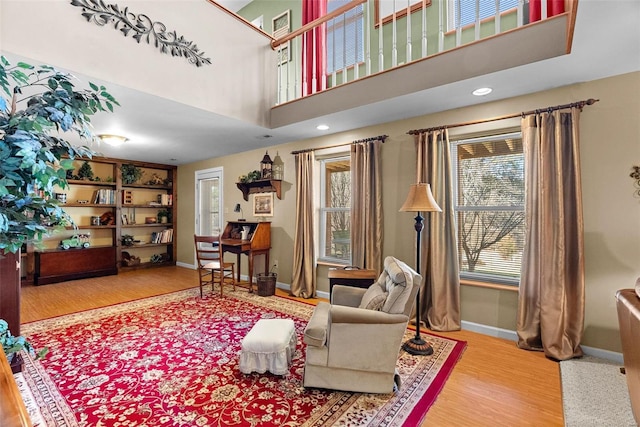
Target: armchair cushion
[[374, 298], [398, 277]]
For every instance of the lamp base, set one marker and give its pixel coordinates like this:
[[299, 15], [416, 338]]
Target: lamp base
[[418, 347]]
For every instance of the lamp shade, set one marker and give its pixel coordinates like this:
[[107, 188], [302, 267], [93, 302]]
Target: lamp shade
[[420, 199]]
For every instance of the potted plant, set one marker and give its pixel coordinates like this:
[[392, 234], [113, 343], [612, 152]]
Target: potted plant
[[127, 240], [38, 105], [86, 172], [33, 159], [164, 216], [130, 174], [13, 345]]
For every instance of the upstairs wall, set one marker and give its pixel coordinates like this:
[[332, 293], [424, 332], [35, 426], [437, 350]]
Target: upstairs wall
[[239, 83]]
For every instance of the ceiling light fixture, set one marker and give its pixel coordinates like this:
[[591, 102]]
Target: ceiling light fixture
[[482, 91], [322, 127], [113, 140]]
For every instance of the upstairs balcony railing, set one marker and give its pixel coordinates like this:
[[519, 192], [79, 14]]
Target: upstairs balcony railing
[[361, 38]]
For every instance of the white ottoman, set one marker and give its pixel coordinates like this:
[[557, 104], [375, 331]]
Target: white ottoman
[[269, 346]]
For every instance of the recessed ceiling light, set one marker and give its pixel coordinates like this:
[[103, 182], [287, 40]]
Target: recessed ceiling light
[[322, 127], [482, 91]]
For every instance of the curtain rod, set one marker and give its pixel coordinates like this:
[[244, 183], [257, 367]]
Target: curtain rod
[[579, 104], [358, 141]]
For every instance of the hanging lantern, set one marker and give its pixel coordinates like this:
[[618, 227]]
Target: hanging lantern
[[278, 167], [265, 166]]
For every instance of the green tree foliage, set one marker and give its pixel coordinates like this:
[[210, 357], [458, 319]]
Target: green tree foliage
[[39, 104]]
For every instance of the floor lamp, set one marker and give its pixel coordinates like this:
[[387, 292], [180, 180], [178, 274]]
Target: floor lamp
[[419, 200]]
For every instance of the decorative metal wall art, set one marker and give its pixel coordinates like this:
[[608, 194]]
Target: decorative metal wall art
[[143, 27]]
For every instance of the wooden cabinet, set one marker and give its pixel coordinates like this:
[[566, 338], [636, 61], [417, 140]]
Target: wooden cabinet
[[10, 290], [109, 212], [58, 265]]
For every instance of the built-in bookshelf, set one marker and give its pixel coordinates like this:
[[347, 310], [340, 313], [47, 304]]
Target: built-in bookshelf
[[125, 223]]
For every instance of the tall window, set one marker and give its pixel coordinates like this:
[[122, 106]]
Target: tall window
[[463, 12], [344, 37], [335, 209], [489, 203], [209, 201]]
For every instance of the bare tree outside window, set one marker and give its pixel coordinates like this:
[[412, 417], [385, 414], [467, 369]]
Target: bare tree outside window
[[490, 206], [336, 209]]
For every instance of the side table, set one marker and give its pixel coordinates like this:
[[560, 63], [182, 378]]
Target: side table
[[358, 278]]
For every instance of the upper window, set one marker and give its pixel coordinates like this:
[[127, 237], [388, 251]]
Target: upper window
[[489, 203], [463, 12], [344, 37], [335, 209]]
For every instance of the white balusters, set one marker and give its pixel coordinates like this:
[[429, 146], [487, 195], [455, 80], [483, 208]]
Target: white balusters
[[394, 38], [408, 59], [424, 29], [361, 28], [367, 37], [380, 44]]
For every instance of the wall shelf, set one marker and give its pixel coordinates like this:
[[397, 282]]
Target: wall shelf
[[260, 186]]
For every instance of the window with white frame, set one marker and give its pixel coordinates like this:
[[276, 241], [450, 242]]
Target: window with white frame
[[464, 12], [335, 209], [345, 35], [489, 206]]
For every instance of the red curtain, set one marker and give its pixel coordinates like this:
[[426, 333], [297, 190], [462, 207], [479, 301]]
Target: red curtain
[[313, 47], [554, 7]]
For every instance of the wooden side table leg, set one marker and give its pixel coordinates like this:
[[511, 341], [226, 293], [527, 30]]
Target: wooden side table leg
[[250, 272]]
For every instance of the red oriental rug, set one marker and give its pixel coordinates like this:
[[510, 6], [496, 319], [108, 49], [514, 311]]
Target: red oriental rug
[[172, 360]]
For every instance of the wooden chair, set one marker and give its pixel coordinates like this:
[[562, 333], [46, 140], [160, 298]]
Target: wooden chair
[[211, 265]]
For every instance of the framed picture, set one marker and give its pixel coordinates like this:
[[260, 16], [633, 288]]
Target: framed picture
[[263, 204]]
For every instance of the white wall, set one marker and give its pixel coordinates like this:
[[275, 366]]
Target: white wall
[[55, 32]]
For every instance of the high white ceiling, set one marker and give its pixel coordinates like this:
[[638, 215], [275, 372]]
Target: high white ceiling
[[606, 43]]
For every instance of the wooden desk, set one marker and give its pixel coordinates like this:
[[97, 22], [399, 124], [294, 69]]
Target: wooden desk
[[258, 243]]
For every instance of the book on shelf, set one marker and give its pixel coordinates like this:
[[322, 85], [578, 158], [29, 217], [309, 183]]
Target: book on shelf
[[164, 236], [104, 197], [165, 199]]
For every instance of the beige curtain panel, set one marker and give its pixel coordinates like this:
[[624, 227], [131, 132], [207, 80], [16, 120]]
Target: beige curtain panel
[[366, 205], [441, 285], [551, 298], [303, 283]]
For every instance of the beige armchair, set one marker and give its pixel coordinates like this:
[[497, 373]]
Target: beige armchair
[[353, 343]]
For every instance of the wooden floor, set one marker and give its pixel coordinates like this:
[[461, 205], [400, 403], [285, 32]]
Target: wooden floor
[[493, 384]]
